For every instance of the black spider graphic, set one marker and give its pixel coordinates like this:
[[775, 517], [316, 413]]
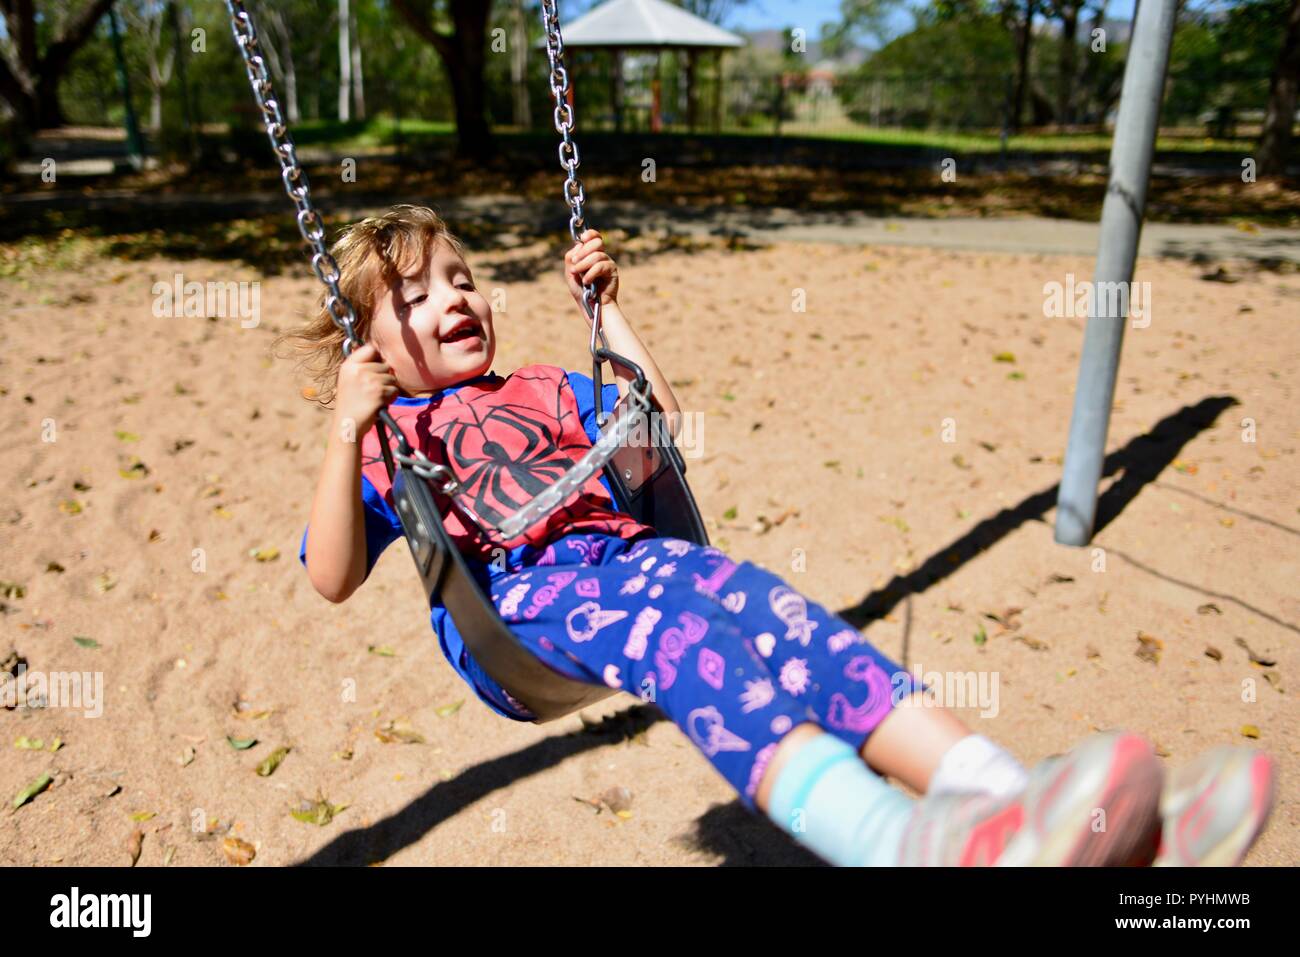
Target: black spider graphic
[[505, 454]]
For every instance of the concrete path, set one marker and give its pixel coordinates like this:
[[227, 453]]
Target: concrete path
[[1017, 235]]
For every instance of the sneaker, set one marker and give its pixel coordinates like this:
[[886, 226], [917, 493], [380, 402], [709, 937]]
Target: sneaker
[[1096, 806], [1215, 808]]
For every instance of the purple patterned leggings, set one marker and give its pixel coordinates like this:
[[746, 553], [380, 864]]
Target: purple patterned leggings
[[729, 651]]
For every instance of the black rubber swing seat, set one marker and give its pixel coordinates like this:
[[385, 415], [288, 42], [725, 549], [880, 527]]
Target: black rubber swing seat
[[647, 479], [648, 482]]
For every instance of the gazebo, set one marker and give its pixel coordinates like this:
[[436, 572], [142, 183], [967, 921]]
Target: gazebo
[[619, 26]]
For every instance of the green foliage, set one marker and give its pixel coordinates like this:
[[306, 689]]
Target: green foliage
[[860, 20], [950, 73], [1222, 60], [952, 70]]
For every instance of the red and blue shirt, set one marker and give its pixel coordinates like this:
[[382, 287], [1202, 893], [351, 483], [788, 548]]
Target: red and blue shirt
[[505, 439]]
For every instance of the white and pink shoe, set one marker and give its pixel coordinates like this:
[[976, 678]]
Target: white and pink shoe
[[1214, 808], [1098, 805]]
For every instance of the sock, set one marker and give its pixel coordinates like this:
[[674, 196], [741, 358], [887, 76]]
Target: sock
[[829, 800], [977, 764]]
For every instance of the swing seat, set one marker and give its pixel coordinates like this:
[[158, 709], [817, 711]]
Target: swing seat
[[648, 483], [647, 480]]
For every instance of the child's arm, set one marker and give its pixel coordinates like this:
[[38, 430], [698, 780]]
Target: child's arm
[[336, 534], [589, 263]]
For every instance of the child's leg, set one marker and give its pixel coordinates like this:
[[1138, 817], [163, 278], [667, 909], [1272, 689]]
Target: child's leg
[[852, 690], [634, 620], [859, 694], [601, 623], [597, 618]]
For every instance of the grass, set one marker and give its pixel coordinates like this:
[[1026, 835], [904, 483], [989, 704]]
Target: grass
[[1020, 143], [385, 131], [380, 131]]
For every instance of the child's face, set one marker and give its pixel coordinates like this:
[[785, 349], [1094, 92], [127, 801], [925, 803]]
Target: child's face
[[434, 328]]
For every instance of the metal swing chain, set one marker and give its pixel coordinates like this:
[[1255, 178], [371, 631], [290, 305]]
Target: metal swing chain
[[575, 196], [310, 224], [342, 312], [295, 180]]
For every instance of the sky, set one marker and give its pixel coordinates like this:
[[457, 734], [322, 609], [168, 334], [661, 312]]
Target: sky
[[770, 14], [777, 14]]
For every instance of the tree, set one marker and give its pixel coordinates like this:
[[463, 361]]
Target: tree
[[1092, 79], [858, 18], [358, 81], [1068, 12], [1017, 18], [277, 41], [345, 62], [351, 82], [521, 111], [715, 11], [944, 73], [146, 20], [463, 56], [1018, 15], [29, 77], [1275, 143]]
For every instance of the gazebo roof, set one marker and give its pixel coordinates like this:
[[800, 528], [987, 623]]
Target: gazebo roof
[[645, 23]]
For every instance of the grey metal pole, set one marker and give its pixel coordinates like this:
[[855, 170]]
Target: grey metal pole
[[1121, 223]]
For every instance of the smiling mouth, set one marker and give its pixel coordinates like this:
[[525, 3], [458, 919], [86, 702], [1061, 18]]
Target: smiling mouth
[[468, 330]]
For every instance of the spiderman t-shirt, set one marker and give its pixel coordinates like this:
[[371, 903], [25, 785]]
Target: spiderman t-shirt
[[506, 440]]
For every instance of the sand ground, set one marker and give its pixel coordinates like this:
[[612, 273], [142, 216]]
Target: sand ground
[[903, 435]]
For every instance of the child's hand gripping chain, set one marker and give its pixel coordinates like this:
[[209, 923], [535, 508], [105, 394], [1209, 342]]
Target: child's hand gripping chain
[[366, 385], [588, 264], [336, 547]]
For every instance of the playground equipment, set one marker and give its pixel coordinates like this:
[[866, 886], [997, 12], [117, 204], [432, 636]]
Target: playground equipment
[[647, 478], [1121, 225]]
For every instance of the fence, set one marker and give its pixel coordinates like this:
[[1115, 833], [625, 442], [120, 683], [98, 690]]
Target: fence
[[824, 103]]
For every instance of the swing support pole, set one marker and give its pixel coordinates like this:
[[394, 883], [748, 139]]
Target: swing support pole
[[1121, 225]]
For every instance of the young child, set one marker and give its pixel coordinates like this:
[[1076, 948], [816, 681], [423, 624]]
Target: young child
[[786, 700]]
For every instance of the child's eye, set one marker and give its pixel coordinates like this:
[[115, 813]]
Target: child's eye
[[417, 300], [466, 284]]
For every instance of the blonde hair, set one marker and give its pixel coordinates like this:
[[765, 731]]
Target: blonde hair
[[370, 254]]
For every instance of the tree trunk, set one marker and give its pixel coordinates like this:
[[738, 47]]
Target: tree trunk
[[1091, 64], [523, 116], [291, 90], [616, 87], [345, 64], [187, 110], [1069, 62], [280, 55], [462, 53], [160, 74], [1275, 143], [161, 57], [717, 91], [473, 139], [358, 81], [29, 80], [49, 113], [690, 89], [1025, 39], [314, 87]]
